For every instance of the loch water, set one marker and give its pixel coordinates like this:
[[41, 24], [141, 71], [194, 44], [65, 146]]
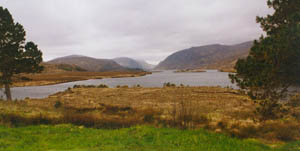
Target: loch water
[[156, 79]]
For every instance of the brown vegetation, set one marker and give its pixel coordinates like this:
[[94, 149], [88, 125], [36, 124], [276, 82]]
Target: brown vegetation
[[214, 108], [48, 78], [189, 70]]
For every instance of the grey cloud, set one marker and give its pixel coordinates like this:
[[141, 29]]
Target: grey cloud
[[143, 29]]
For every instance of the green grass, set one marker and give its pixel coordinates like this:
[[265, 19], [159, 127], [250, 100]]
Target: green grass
[[139, 138]]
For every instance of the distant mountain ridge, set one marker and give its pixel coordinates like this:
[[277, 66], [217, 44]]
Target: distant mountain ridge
[[89, 63], [128, 62], [214, 56], [133, 64], [146, 65]]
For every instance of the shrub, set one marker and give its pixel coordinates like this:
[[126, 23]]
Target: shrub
[[102, 86], [168, 84], [136, 86], [90, 86], [294, 101], [267, 109], [85, 119], [200, 119], [184, 115], [125, 86], [57, 104], [280, 130], [84, 86], [122, 86], [18, 120], [148, 118], [286, 131], [222, 124], [247, 131], [76, 86], [26, 79]]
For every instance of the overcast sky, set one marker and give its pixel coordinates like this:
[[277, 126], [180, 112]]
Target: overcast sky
[[142, 29]]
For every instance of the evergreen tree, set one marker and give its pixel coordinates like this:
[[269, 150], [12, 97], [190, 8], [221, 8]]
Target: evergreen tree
[[15, 56], [273, 64]]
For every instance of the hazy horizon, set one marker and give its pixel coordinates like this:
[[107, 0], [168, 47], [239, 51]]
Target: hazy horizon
[[139, 29]]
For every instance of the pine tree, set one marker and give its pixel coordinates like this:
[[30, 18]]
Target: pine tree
[[273, 65], [15, 56]]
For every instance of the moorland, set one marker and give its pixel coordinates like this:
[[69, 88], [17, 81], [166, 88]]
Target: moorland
[[223, 117]]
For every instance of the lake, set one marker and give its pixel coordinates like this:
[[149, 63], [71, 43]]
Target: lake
[[156, 79]]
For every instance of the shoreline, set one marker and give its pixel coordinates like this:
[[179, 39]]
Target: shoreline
[[190, 71], [59, 78]]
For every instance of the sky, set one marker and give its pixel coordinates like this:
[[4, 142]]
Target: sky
[[141, 29]]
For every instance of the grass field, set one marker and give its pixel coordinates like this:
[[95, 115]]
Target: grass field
[[139, 138]]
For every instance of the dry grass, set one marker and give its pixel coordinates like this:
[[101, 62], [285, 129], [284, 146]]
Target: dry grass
[[214, 108], [49, 78], [231, 70]]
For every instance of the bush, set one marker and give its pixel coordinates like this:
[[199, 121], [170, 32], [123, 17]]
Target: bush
[[148, 118], [26, 79], [168, 84], [84, 86], [136, 86], [286, 131], [268, 109], [123, 86], [248, 131], [294, 101], [222, 124], [18, 120], [57, 104], [102, 86], [76, 86]]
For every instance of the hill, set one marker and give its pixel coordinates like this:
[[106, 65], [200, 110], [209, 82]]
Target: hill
[[58, 68], [206, 57], [89, 63], [133, 64]]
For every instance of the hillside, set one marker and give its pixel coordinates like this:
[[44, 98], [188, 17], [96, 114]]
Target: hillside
[[145, 65], [128, 63], [89, 64], [133, 64], [206, 57], [58, 68]]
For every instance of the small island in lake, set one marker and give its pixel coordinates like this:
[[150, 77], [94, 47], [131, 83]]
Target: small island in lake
[[189, 70]]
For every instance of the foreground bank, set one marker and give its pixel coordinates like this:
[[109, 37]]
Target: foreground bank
[[141, 138]]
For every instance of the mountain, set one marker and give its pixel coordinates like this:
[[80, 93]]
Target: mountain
[[89, 63], [206, 57], [145, 65], [133, 64], [56, 68], [128, 63]]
